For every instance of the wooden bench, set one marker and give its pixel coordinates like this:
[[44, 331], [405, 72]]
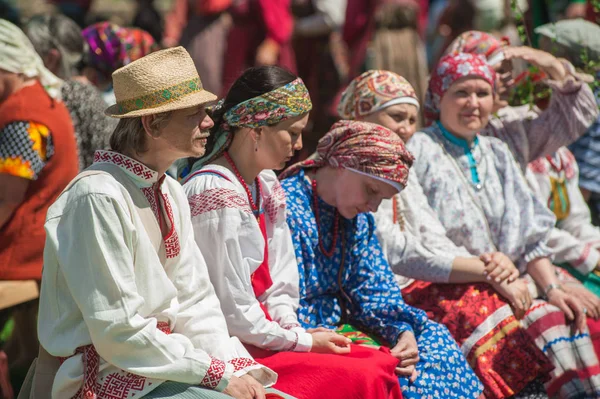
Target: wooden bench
[[15, 292]]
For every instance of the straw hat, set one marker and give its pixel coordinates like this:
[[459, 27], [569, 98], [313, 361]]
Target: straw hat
[[163, 81]]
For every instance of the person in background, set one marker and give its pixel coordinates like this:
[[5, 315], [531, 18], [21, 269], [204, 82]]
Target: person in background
[[385, 35], [149, 19], [199, 25], [345, 280], [58, 40], [322, 62], [260, 35], [77, 10], [38, 158], [126, 303], [107, 51]]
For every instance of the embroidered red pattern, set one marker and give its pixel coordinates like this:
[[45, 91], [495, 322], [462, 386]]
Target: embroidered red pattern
[[172, 241], [121, 385], [584, 255], [149, 194], [217, 198], [121, 160], [275, 202], [539, 166], [240, 363], [213, 374]]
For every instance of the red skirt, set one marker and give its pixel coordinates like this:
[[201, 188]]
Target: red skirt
[[498, 348], [364, 373]]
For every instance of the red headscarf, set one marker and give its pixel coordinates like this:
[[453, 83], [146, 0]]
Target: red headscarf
[[366, 147], [449, 70]]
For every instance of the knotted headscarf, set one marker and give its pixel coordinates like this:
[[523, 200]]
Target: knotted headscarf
[[108, 46], [17, 55], [142, 44], [268, 109], [373, 91], [364, 147], [449, 69], [477, 42]]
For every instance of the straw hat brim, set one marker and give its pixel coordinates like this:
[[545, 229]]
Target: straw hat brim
[[190, 100]]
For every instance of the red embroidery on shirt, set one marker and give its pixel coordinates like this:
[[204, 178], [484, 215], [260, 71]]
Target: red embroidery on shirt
[[120, 386], [275, 202], [584, 255], [539, 166], [240, 363], [124, 162], [172, 240], [213, 374], [217, 198]]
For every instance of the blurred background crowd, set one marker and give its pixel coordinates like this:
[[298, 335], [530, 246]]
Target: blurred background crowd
[[326, 42]]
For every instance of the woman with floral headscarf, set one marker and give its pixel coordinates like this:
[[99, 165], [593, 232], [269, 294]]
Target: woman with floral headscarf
[[536, 139], [109, 48], [484, 204], [345, 281], [407, 227], [238, 214]]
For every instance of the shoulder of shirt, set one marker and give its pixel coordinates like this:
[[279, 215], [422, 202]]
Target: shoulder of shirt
[[89, 188], [207, 181], [421, 139]]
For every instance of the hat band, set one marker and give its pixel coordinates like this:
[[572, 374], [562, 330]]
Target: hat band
[[161, 97]]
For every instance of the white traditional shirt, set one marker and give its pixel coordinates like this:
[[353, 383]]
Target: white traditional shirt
[[105, 283], [498, 214], [413, 239], [230, 239], [574, 240]]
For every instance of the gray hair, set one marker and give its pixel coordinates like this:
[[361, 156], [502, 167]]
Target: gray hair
[[130, 135], [59, 32]]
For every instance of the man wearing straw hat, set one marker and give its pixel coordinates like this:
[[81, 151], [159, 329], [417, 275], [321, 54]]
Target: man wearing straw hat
[[126, 303]]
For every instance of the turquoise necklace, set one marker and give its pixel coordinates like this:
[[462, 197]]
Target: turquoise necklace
[[464, 144]]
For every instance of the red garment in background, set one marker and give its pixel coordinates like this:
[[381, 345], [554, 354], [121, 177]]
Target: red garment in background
[[180, 14], [23, 236], [364, 373], [253, 22]]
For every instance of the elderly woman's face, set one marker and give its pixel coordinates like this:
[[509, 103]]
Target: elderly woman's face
[[356, 193], [466, 107], [400, 119]]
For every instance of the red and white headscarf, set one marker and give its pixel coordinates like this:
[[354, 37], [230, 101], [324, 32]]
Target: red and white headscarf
[[373, 91], [363, 147], [449, 69]]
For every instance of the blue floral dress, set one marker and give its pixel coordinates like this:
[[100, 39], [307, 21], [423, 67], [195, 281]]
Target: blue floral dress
[[356, 286]]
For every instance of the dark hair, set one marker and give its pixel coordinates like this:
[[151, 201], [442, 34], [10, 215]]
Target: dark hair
[[252, 83]]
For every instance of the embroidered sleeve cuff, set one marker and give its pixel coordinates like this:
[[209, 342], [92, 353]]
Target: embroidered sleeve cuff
[[305, 342], [218, 375], [540, 251], [587, 261], [260, 373]]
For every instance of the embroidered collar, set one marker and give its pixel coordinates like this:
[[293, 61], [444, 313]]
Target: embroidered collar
[[142, 175], [460, 142]]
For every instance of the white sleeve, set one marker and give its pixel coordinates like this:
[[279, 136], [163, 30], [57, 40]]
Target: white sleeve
[[101, 255], [578, 239], [200, 317], [230, 240]]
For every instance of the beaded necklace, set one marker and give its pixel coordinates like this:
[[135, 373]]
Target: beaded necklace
[[336, 223], [255, 207]]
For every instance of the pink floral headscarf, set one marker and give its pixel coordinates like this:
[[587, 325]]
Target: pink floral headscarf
[[375, 90], [449, 69], [361, 146]]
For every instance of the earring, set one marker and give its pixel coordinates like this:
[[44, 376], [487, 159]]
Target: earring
[[256, 146]]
